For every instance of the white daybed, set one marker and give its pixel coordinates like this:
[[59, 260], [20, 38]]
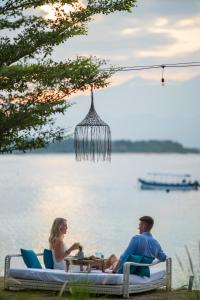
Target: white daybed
[[97, 282]]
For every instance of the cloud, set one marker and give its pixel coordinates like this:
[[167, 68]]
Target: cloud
[[130, 31], [121, 78], [142, 38], [183, 34], [161, 21]]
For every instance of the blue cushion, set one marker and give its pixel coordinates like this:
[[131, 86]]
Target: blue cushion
[[144, 271], [130, 258], [48, 259], [30, 259]]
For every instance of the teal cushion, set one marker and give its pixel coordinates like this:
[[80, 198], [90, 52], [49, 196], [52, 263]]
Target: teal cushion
[[144, 271], [30, 259], [48, 259], [130, 258]]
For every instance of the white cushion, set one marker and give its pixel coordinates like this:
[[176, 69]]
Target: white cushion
[[94, 277]]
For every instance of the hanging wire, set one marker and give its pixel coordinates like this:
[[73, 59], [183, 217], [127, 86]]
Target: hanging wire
[[147, 67]]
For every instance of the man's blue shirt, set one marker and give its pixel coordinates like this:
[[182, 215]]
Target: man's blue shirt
[[145, 245]]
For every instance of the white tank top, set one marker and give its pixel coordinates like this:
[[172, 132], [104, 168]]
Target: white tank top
[[61, 265], [58, 265]]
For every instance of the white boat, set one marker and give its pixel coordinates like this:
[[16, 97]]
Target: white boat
[[168, 182]]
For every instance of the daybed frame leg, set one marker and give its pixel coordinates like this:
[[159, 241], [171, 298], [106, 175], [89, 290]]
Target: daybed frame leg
[[126, 273], [126, 296], [169, 274], [125, 292], [6, 271], [190, 284]]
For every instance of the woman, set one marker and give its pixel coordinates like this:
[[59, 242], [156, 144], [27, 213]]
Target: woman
[[59, 249]]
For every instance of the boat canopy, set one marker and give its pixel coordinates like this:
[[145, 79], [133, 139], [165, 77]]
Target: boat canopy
[[170, 175]]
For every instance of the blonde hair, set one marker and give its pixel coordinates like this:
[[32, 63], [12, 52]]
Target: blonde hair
[[55, 230]]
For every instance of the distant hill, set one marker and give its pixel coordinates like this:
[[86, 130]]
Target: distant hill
[[124, 146]]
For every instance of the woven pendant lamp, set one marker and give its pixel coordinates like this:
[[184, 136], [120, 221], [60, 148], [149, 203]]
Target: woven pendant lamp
[[92, 137]]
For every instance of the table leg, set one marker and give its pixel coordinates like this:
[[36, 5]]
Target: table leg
[[103, 266], [88, 268], [67, 265], [81, 267]]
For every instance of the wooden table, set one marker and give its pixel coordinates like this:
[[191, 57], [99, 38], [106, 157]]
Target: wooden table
[[97, 263]]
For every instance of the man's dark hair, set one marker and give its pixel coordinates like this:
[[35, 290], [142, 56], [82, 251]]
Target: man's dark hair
[[148, 220]]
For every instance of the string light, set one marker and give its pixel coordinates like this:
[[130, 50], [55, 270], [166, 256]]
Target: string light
[[163, 79], [149, 67]]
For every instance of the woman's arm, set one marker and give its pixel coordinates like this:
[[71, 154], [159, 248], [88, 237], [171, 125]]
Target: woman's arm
[[59, 249], [75, 246]]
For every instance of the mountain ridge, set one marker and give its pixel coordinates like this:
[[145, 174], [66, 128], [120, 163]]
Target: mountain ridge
[[125, 146]]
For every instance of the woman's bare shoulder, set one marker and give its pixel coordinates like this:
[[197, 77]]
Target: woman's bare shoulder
[[57, 243]]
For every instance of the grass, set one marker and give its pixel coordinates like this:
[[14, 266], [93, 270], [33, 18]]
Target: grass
[[77, 294], [192, 270]]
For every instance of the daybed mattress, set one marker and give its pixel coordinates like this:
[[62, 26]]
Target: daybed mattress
[[95, 277]]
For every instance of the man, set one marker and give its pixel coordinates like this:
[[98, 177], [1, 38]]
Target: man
[[142, 244]]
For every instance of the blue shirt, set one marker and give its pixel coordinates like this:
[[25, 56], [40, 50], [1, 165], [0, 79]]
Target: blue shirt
[[145, 245]]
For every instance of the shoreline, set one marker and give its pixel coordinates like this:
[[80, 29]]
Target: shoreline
[[113, 153]]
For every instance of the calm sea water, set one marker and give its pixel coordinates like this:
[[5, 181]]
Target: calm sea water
[[101, 201]]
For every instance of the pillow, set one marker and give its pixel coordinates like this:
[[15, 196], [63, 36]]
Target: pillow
[[30, 259], [130, 258], [48, 259], [144, 271]]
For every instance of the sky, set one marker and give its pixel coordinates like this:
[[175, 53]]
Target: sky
[[135, 104]]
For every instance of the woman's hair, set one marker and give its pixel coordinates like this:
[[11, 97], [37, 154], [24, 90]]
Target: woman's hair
[[55, 230]]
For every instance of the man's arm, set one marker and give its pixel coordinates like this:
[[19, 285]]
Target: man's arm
[[161, 255], [129, 250]]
